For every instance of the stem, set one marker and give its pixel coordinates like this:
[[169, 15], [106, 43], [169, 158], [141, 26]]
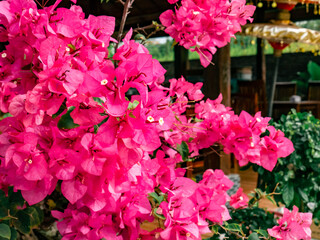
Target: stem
[[208, 153], [169, 146], [125, 13], [157, 27], [235, 233], [205, 57], [122, 2]]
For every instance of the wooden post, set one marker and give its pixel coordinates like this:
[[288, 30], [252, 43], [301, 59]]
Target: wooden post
[[180, 61], [261, 61], [217, 79]]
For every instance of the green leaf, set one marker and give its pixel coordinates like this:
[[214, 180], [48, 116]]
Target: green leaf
[[215, 229], [15, 201], [5, 231], [262, 232], [14, 234], [61, 109], [303, 195], [271, 199], [98, 100], [139, 36], [314, 70], [22, 223], [133, 105], [183, 149], [158, 215], [3, 200], [156, 197], [72, 46], [131, 115], [34, 216], [259, 192], [253, 236], [233, 227], [288, 193], [5, 116], [66, 121]]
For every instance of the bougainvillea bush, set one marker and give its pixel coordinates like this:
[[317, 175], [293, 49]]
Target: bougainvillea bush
[[73, 129]]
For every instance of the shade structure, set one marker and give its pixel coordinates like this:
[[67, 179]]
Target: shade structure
[[283, 33], [280, 33]]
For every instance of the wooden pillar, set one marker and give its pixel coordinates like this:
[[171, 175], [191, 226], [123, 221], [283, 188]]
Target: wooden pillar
[[180, 61], [217, 79], [261, 61]]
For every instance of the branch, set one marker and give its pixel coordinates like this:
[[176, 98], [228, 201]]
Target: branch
[[157, 27], [235, 233], [125, 13], [122, 2]]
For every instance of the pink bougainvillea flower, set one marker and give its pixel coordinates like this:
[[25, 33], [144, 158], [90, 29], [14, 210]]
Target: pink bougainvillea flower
[[67, 23], [292, 226], [99, 31], [239, 199], [274, 146], [199, 25], [87, 112], [74, 189]]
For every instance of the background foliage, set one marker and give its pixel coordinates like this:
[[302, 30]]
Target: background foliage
[[297, 176]]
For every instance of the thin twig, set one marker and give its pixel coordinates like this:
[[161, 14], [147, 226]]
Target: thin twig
[[205, 56], [39, 4], [157, 27], [143, 29], [232, 232], [122, 2], [125, 13]]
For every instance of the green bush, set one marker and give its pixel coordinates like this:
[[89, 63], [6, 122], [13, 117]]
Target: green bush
[[297, 177]]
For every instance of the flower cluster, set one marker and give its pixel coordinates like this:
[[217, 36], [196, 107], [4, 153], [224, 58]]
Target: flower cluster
[[202, 26], [241, 135], [74, 125], [189, 205], [292, 226]]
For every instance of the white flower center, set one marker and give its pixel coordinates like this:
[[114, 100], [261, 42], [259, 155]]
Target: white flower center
[[161, 122], [104, 82], [258, 120], [67, 49], [29, 161], [252, 144], [4, 55], [150, 119], [103, 44]]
